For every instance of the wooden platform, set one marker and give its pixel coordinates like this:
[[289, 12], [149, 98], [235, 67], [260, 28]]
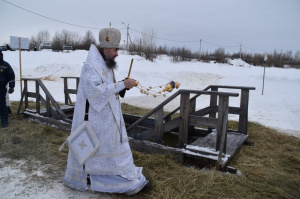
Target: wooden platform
[[204, 148], [148, 134]]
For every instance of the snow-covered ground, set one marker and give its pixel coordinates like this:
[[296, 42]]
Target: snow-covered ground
[[278, 107]]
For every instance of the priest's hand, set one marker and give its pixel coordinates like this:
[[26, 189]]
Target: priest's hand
[[129, 83]]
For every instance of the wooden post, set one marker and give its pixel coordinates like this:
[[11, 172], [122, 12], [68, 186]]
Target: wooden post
[[222, 111], [184, 114], [26, 93], [192, 109], [265, 59], [48, 111], [213, 102], [159, 114], [77, 83], [243, 118], [66, 90], [262, 91], [223, 139], [20, 65], [37, 97]]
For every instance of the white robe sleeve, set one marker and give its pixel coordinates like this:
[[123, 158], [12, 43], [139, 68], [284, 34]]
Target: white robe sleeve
[[98, 92]]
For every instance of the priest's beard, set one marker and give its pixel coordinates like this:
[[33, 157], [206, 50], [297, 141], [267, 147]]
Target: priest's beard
[[111, 63]]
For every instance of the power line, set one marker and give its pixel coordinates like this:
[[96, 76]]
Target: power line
[[254, 49], [50, 17], [164, 39], [159, 37], [193, 41]]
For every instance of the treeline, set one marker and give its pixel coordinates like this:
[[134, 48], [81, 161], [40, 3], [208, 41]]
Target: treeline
[[147, 47], [180, 54], [64, 37]]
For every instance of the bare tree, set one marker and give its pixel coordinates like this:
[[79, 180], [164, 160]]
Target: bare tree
[[220, 55], [87, 40], [57, 41], [65, 38], [33, 44], [43, 36], [297, 56], [148, 44], [76, 41]]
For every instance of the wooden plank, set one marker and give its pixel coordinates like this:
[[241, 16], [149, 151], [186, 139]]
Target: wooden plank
[[187, 91], [237, 111], [152, 147], [21, 102], [192, 109], [58, 123], [184, 114], [203, 121], [223, 141], [243, 119], [31, 94], [234, 141], [130, 119], [213, 102], [37, 99], [48, 108], [207, 110], [158, 135], [142, 133], [71, 91], [26, 93], [172, 124], [65, 89], [223, 109], [232, 87]]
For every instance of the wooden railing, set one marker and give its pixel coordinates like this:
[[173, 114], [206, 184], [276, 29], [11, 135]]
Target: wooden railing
[[242, 111], [52, 108], [68, 91], [187, 108], [190, 117]]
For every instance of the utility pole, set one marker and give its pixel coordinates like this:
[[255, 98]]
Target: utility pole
[[140, 48], [265, 59], [127, 35], [240, 49], [200, 49]]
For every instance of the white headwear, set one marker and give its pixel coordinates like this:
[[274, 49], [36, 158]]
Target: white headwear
[[109, 38]]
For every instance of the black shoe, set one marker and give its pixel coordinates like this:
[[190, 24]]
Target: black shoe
[[9, 110], [88, 180], [4, 125]]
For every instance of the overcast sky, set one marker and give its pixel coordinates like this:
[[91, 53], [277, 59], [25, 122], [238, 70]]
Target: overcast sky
[[258, 25]]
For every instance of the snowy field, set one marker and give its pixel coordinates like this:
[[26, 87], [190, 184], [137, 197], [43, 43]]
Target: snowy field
[[278, 107]]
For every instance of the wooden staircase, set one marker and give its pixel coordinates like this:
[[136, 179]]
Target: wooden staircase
[[46, 109]]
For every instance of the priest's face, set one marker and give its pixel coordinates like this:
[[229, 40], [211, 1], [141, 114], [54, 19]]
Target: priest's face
[[111, 54]]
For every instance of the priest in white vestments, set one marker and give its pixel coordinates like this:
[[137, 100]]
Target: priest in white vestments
[[111, 169]]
